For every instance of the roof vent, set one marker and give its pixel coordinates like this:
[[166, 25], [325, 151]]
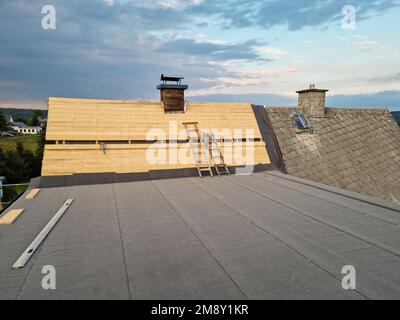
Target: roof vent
[[172, 93]]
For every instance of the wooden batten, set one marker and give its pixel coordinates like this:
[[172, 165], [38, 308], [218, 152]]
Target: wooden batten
[[96, 136]]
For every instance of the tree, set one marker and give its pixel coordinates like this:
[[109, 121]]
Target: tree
[[39, 152], [18, 165], [3, 122], [36, 115]]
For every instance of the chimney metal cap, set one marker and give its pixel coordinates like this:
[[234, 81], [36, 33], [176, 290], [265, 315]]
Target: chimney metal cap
[[172, 86], [312, 89]]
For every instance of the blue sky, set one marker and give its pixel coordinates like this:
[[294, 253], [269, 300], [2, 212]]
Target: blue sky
[[234, 50]]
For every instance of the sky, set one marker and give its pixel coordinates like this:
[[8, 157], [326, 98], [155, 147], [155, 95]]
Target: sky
[[234, 50]]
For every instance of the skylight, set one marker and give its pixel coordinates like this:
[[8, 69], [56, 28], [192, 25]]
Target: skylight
[[302, 122]]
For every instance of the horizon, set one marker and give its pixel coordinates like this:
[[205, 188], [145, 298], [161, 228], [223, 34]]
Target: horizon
[[261, 52], [228, 98]]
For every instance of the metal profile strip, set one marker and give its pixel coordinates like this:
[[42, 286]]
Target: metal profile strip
[[24, 258]]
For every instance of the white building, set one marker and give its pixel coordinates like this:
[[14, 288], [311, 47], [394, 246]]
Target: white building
[[22, 128]]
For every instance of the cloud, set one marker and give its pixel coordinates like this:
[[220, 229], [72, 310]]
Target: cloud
[[294, 15], [385, 79], [255, 98], [271, 51], [118, 48], [248, 50], [390, 99], [98, 50]]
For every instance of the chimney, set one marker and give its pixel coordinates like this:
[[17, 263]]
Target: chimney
[[312, 101], [172, 94]]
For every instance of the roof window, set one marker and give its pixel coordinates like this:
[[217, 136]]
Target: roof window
[[302, 123]]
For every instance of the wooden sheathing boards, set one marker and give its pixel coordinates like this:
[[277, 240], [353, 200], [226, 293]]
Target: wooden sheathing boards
[[125, 123]]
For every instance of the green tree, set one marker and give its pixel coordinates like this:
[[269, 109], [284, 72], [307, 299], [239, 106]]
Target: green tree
[[21, 164], [39, 152], [18, 165], [3, 122], [35, 118]]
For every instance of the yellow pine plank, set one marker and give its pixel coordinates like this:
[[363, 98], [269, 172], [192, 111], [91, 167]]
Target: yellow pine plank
[[32, 194], [118, 166], [11, 216]]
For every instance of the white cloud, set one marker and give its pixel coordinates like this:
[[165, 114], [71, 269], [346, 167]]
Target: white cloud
[[271, 52], [153, 4], [244, 79]]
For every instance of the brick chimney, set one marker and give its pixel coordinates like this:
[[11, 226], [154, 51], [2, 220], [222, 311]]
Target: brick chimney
[[312, 101], [172, 94]]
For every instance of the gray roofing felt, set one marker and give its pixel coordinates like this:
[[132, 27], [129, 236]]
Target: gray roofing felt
[[264, 236]]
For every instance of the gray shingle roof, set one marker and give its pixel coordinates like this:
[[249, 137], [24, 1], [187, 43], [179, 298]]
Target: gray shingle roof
[[354, 149], [19, 124]]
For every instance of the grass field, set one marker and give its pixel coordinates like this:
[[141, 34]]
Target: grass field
[[30, 142]]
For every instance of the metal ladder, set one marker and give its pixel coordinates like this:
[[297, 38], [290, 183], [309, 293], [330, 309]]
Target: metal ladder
[[216, 155], [198, 148]]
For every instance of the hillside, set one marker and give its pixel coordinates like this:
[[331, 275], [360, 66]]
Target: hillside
[[30, 142], [24, 114]]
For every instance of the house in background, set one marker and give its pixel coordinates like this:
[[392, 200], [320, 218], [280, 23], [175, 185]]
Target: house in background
[[353, 149], [22, 128]]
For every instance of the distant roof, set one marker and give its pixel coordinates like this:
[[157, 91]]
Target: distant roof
[[264, 236], [19, 124]]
